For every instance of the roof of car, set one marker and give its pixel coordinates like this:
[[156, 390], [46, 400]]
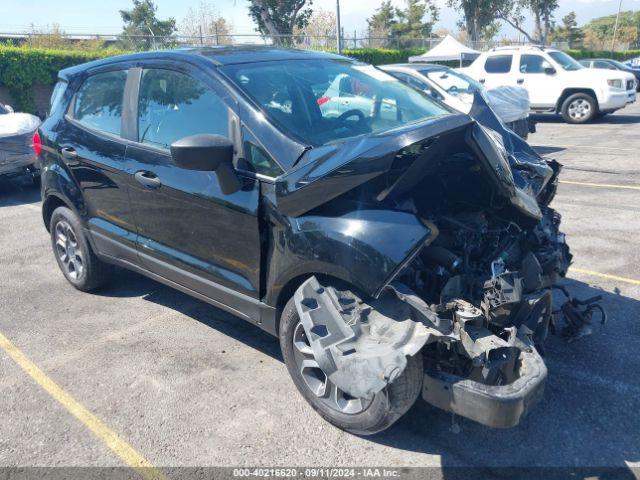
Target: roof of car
[[219, 56], [522, 48]]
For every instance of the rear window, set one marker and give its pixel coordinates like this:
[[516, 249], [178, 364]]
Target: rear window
[[56, 96], [98, 103], [498, 64]]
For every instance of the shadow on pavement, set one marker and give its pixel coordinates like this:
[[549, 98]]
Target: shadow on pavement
[[586, 422], [547, 150], [18, 191], [612, 119]]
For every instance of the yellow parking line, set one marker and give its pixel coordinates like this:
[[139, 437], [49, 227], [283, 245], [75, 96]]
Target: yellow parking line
[[121, 448], [601, 185], [606, 276]]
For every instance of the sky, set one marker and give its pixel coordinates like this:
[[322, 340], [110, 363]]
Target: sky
[[101, 16]]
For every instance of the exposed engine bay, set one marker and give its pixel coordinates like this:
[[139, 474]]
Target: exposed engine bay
[[476, 300]]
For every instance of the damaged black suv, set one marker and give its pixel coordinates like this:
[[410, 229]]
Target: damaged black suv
[[396, 247]]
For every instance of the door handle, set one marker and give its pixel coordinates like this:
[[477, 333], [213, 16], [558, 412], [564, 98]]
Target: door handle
[[69, 153], [147, 179], [520, 81]]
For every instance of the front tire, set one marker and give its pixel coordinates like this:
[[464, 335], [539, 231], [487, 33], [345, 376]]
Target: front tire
[[358, 416], [579, 108], [77, 261]]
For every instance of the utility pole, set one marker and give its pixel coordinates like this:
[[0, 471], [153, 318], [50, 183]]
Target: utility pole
[[615, 28], [338, 28]]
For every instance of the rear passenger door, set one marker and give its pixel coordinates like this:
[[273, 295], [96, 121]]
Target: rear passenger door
[[189, 231], [91, 146], [497, 70]]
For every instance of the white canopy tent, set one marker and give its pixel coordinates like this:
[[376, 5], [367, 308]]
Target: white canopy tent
[[447, 50]]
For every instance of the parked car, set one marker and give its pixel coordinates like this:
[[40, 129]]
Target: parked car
[[607, 64], [392, 255], [457, 90], [16, 143], [556, 82]]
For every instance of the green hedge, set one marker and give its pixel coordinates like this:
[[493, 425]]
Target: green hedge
[[381, 56], [21, 68]]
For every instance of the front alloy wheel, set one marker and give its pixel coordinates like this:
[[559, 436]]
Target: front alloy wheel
[[317, 381], [579, 108], [356, 415]]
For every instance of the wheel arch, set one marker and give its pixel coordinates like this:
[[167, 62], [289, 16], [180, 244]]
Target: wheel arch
[[289, 288], [49, 204], [566, 93]]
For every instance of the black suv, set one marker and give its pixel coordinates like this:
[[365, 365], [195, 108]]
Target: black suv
[[394, 246]]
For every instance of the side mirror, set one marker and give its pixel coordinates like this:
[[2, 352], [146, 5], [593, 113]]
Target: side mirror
[[550, 70], [208, 153]]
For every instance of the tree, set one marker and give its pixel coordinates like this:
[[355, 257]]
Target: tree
[[542, 10], [142, 29], [381, 23], [478, 15], [402, 27], [542, 17], [206, 25], [415, 22], [569, 31], [320, 30], [276, 18], [599, 32]]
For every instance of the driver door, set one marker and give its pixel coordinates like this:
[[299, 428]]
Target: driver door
[[189, 231]]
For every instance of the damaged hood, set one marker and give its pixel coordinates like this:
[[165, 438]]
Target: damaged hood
[[327, 172]]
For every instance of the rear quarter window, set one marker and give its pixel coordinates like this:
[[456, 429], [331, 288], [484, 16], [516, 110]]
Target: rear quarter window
[[498, 64], [56, 97], [98, 102]]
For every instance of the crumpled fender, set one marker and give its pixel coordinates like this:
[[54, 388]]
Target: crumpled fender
[[363, 247]]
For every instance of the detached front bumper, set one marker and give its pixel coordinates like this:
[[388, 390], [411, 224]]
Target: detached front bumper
[[495, 406]]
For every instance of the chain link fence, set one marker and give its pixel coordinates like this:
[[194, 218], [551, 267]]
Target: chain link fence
[[302, 41]]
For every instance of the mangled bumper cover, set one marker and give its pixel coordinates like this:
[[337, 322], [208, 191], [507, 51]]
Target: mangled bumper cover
[[358, 348], [495, 406]]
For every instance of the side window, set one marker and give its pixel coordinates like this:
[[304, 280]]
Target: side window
[[498, 64], [98, 102], [257, 160], [173, 105], [533, 64], [601, 64]]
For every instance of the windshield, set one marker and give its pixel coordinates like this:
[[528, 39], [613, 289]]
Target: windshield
[[565, 61], [620, 65], [323, 101], [451, 81]]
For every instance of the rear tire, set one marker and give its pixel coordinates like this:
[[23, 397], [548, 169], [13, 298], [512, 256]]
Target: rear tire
[[378, 414], [579, 108], [77, 261]]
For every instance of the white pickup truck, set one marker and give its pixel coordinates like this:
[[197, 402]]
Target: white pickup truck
[[555, 81]]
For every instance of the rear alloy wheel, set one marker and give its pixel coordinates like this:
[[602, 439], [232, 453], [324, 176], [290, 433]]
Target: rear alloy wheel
[[80, 266], [579, 108], [356, 415]]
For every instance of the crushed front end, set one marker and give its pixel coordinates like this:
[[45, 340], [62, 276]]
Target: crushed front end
[[474, 299]]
